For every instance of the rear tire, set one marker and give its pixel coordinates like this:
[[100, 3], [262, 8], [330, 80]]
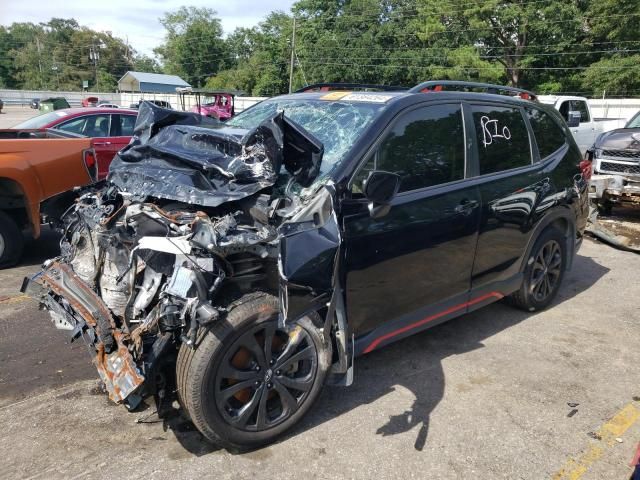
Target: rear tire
[[11, 241], [543, 273], [242, 390]]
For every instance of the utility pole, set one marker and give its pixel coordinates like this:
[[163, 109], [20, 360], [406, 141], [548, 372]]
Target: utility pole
[[293, 52], [94, 55], [39, 63]]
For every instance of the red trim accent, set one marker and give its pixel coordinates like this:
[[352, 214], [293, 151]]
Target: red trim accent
[[431, 318], [636, 457]]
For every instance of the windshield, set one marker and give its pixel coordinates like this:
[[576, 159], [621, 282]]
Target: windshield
[[336, 124], [634, 122], [41, 120]]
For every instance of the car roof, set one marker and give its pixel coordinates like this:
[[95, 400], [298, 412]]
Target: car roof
[[74, 112], [390, 97]]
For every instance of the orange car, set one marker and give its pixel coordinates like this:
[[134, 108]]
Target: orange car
[[35, 166]]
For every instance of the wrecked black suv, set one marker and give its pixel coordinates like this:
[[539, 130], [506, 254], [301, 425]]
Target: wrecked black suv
[[244, 265]]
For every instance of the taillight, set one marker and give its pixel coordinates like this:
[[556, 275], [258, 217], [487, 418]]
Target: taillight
[[91, 163], [585, 167]]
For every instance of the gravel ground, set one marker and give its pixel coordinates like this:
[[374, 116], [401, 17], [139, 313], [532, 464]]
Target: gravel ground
[[495, 394]]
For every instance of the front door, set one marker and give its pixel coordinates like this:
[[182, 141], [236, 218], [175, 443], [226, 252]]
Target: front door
[[416, 260]]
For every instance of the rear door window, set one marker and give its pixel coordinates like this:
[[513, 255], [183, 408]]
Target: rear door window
[[425, 147], [549, 135], [502, 138], [124, 126]]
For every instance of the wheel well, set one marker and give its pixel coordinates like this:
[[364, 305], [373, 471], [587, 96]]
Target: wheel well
[[13, 202], [568, 230], [562, 225]]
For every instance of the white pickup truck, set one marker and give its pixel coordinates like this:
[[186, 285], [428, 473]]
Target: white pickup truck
[[577, 114]]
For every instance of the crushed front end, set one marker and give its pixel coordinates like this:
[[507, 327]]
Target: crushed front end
[[191, 218]]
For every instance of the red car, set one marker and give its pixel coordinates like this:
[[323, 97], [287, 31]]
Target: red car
[[115, 125]]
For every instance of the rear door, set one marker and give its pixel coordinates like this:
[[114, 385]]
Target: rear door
[[120, 135], [416, 260], [510, 190]]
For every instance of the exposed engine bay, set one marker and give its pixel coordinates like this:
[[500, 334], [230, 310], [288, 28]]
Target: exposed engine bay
[[193, 215]]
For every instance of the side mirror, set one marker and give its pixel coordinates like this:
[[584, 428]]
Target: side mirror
[[380, 188], [573, 119]]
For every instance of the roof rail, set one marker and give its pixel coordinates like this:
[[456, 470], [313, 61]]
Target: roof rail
[[326, 87], [443, 85]]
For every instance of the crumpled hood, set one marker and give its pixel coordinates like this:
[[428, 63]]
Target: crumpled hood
[[186, 157], [619, 139]]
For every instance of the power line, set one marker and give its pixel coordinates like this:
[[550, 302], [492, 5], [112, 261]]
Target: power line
[[453, 67]]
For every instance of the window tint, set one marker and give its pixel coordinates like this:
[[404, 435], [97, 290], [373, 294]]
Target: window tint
[[127, 122], [549, 136], [503, 139], [74, 126], [425, 147], [90, 125]]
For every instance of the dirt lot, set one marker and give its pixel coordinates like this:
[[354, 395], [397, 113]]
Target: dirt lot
[[496, 394]]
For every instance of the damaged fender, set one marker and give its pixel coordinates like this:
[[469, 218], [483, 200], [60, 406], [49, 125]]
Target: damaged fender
[[309, 268]]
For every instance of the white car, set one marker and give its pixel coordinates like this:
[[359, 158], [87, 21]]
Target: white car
[[107, 105]]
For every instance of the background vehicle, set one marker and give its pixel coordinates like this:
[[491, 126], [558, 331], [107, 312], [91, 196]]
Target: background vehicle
[[209, 103], [113, 127], [51, 104], [1, 105], [108, 105], [35, 103], [36, 166], [577, 113], [615, 157], [90, 101], [159, 103], [374, 215]]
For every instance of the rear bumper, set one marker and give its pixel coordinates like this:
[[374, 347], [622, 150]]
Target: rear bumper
[[74, 306]]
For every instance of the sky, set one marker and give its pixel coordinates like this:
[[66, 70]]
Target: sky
[[136, 20]]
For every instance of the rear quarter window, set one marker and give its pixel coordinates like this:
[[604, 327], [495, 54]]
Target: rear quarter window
[[502, 137], [549, 135]]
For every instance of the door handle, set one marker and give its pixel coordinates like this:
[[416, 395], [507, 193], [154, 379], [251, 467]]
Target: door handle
[[466, 206], [101, 144]]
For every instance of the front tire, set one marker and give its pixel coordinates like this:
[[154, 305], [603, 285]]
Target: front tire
[[11, 241], [248, 381], [544, 272]]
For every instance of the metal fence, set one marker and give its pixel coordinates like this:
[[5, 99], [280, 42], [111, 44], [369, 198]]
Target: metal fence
[[24, 97], [601, 108]]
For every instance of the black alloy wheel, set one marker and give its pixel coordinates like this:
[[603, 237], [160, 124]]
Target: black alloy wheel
[[265, 376], [543, 272], [546, 271], [249, 381]]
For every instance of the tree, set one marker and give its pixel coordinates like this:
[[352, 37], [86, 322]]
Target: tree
[[258, 58], [613, 34], [193, 47], [513, 33]]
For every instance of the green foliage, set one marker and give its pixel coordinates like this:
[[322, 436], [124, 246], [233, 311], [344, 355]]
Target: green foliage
[[193, 47], [55, 55], [549, 46]]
